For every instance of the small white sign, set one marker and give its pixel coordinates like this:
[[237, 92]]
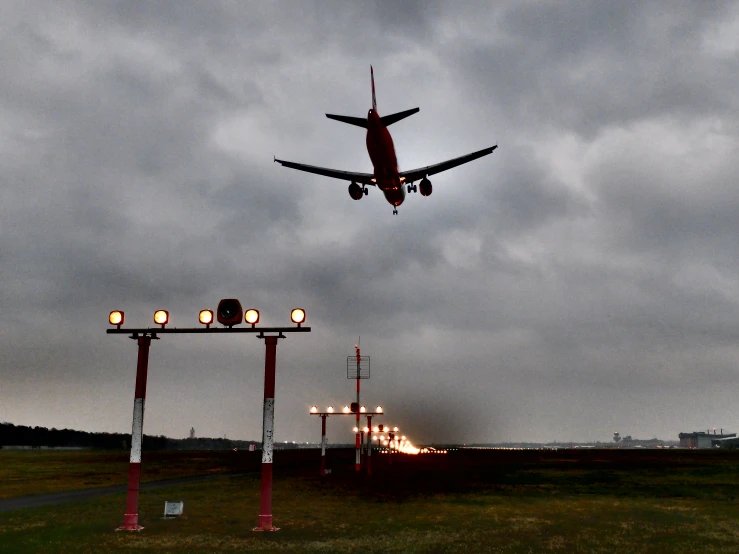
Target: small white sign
[[172, 509]]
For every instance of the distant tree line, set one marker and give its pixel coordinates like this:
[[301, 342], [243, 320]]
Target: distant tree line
[[20, 435]]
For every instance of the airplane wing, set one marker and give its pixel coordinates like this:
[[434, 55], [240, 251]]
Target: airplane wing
[[364, 178], [421, 172]]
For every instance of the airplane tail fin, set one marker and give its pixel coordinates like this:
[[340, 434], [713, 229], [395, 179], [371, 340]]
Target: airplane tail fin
[[362, 122], [374, 98]]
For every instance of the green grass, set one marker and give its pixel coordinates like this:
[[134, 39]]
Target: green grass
[[513, 507], [24, 472]]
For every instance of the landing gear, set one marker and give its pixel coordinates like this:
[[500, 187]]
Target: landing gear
[[412, 188], [366, 191], [395, 211]]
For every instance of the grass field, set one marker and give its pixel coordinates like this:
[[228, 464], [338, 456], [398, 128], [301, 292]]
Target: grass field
[[479, 501], [24, 472]]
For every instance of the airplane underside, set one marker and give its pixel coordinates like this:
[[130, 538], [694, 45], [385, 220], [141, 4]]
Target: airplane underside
[[395, 197], [386, 176]]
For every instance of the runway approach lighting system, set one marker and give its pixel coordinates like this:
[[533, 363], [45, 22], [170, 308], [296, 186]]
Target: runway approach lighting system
[[229, 313], [161, 317], [116, 318], [315, 410]]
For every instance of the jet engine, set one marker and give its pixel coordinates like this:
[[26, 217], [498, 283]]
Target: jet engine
[[425, 186], [355, 191]]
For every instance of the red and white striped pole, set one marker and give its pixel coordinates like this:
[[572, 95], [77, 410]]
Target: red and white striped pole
[[268, 427], [323, 444], [369, 445], [131, 517], [358, 444]]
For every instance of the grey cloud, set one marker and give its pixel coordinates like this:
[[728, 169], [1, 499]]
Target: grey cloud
[[542, 292]]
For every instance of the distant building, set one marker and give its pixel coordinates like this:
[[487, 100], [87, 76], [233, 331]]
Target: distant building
[[192, 432], [700, 439], [729, 442]]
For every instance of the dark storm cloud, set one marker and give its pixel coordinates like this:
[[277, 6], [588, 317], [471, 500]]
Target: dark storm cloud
[[582, 69], [541, 292]]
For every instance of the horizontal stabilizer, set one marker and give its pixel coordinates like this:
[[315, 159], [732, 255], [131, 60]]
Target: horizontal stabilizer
[[358, 121], [394, 118]]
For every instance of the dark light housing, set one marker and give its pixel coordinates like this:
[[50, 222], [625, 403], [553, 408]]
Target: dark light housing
[[229, 312]]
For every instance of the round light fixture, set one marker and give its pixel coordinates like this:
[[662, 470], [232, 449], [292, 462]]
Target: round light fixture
[[297, 316], [161, 317], [251, 317], [116, 318]]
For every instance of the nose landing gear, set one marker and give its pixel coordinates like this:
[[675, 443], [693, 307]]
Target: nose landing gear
[[395, 211]]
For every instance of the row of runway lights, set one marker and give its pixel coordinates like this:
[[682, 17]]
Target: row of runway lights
[[345, 409], [402, 444], [229, 315]]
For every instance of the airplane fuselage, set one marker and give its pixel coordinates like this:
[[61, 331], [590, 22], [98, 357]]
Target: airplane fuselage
[[381, 151]]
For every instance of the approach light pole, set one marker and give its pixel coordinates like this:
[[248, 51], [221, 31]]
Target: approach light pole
[[131, 516], [346, 411], [229, 314], [357, 367]]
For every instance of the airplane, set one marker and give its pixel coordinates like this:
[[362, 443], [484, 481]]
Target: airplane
[[392, 182]]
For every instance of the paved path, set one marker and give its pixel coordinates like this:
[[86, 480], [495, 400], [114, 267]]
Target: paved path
[[36, 500]]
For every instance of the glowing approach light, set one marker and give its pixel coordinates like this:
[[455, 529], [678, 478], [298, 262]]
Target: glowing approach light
[[314, 409], [297, 316], [205, 317], [405, 447], [330, 409], [116, 318], [251, 317], [161, 317], [346, 409]]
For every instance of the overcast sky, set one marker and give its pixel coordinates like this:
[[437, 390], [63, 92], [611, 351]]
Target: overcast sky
[[583, 279]]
